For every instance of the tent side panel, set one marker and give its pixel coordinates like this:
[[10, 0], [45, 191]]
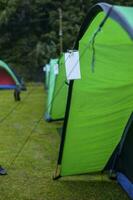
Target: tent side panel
[[51, 87], [60, 92], [101, 101]]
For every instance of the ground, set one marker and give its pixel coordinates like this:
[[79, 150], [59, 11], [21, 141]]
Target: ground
[[29, 150]]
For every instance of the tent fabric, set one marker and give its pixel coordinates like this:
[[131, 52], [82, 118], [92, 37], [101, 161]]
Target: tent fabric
[[8, 79], [124, 163], [5, 78], [60, 92], [51, 87], [118, 13], [47, 72], [123, 15], [57, 91], [99, 105]]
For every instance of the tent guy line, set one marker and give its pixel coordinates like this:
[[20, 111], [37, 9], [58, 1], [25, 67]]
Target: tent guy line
[[26, 141], [14, 107]]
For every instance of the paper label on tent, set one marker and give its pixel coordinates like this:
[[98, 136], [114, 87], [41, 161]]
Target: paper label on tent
[[48, 68], [72, 65], [56, 69], [44, 69]]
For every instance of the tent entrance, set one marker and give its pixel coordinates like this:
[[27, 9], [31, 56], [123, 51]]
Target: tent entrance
[[5, 78], [125, 160], [122, 159]]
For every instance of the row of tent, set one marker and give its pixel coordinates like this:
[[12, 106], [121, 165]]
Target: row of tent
[[57, 89], [97, 108], [10, 80]]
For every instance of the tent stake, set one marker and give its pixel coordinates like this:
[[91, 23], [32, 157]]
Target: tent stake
[[57, 175]]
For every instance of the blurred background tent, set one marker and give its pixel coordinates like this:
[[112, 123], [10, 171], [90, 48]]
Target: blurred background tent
[[10, 80], [51, 87], [60, 92], [46, 70]]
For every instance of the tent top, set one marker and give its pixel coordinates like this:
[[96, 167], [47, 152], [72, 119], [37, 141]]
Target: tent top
[[8, 69], [121, 14]]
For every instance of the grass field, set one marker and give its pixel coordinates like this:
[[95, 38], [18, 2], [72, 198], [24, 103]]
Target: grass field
[[29, 149]]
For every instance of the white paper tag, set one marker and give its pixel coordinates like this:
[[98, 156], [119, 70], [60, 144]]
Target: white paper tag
[[48, 68], [44, 69], [56, 69], [72, 65]]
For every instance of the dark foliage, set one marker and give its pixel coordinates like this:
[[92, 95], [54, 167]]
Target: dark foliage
[[29, 31]]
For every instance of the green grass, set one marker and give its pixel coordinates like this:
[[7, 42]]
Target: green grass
[[30, 173]]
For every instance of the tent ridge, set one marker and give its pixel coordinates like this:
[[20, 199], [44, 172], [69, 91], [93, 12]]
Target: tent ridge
[[117, 16]]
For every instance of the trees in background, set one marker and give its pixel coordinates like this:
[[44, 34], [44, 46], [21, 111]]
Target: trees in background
[[29, 31]]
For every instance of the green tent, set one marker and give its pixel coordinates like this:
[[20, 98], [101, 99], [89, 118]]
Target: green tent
[[59, 97], [47, 72], [100, 104], [51, 87]]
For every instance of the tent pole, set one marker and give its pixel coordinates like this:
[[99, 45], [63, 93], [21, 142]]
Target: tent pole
[[60, 30]]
